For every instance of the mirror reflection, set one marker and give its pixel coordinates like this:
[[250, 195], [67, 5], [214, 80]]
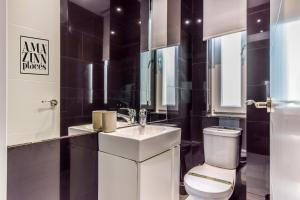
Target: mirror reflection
[[159, 77], [100, 48]]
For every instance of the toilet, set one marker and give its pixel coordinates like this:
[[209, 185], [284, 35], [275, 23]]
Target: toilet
[[215, 179]]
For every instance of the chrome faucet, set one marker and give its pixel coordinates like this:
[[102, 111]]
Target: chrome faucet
[[143, 117], [130, 118]]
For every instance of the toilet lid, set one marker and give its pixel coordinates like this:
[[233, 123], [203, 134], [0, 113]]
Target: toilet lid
[[211, 182]]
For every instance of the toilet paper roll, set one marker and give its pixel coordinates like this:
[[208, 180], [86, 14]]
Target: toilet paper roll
[[97, 119], [109, 121]]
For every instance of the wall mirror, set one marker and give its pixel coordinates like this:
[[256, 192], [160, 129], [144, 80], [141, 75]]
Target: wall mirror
[[101, 42], [158, 78], [160, 37]]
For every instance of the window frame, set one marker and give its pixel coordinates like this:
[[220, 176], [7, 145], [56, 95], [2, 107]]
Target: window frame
[[214, 107]]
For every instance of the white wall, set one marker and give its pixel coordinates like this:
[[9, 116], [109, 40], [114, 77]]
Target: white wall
[[2, 99], [29, 120]]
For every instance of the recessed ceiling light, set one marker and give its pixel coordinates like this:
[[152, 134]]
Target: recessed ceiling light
[[261, 31], [140, 22], [258, 20], [119, 9], [112, 32], [187, 22], [199, 21]]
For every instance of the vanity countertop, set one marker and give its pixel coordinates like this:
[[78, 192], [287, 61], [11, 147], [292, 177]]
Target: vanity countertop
[[73, 131]]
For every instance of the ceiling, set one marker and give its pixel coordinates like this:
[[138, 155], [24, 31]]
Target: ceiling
[[95, 6]]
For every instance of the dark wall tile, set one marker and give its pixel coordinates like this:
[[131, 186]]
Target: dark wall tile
[[257, 93], [71, 107], [73, 121], [83, 173], [55, 170], [72, 93], [82, 71], [258, 66], [199, 102], [93, 100], [258, 120], [71, 43], [258, 140], [84, 20], [258, 176], [257, 41], [33, 172], [196, 128], [199, 49], [92, 48], [198, 152], [258, 22], [73, 73], [186, 158], [257, 6], [199, 76]]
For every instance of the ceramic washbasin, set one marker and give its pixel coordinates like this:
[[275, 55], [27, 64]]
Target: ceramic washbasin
[[139, 143]]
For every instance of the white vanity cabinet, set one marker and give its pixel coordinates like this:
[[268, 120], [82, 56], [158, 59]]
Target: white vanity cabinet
[[156, 178], [139, 163]]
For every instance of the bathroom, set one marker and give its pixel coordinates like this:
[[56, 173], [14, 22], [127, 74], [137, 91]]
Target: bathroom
[[149, 99]]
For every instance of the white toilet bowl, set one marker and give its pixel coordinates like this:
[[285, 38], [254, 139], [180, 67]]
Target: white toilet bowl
[[215, 179], [206, 182]]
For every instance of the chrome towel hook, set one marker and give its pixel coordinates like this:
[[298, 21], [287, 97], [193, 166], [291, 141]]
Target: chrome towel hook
[[53, 103]]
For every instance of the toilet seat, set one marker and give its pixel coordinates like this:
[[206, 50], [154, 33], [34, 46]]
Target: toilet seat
[[209, 182]]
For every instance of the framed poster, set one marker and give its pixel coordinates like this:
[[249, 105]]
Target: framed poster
[[34, 56]]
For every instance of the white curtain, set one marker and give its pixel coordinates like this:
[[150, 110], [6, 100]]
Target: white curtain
[[222, 17]]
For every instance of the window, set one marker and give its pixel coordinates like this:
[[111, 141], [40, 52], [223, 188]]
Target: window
[[227, 75], [166, 78]]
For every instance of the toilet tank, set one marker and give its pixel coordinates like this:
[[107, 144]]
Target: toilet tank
[[221, 147]]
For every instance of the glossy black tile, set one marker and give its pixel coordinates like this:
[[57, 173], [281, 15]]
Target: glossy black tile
[[73, 121], [258, 66], [258, 93], [240, 187], [73, 73], [197, 152], [72, 93], [33, 172], [199, 49], [83, 172], [257, 41], [92, 48], [258, 176], [196, 128], [257, 6], [71, 107], [186, 159], [199, 76], [71, 43], [55, 170], [258, 140], [93, 100], [199, 102], [258, 120], [83, 20], [258, 22]]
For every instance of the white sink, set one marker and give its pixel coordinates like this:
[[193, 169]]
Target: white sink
[[139, 143]]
